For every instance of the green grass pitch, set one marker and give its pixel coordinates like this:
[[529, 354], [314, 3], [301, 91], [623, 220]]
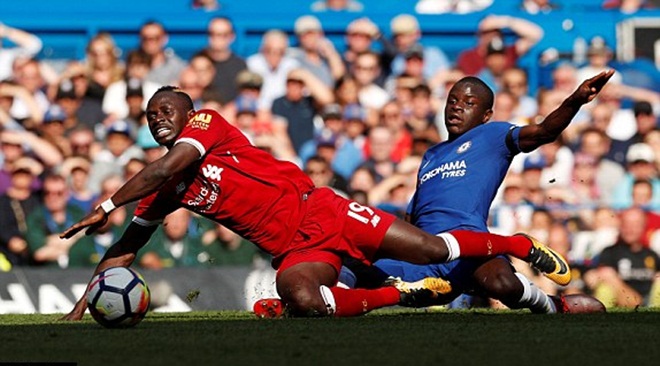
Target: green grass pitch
[[392, 337]]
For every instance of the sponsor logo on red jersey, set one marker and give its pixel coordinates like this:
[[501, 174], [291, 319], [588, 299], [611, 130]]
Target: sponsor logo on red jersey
[[200, 120]]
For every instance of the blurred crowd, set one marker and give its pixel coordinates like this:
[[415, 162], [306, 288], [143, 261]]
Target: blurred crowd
[[357, 120]]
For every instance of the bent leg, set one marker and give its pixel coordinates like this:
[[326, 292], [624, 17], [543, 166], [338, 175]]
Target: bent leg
[[498, 279], [309, 289], [298, 286]]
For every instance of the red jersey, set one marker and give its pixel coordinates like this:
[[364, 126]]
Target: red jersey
[[233, 183]]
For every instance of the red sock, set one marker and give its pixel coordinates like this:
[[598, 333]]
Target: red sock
[[360, 301], [473, 244]]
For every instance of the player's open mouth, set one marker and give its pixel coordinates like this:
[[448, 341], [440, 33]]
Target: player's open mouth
[[162, 132]]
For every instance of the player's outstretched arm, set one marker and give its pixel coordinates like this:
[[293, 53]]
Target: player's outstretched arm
[[144, 183], [120, 254], [533, 136]]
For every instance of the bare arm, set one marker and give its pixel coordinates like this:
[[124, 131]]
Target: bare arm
[[28, 41], [533, 136], [144, 183], [319, 91], [529, 33], [120, 254]]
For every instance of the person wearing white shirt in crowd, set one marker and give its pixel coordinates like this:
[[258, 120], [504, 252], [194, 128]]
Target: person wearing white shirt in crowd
[[27, 45], [273, 64]]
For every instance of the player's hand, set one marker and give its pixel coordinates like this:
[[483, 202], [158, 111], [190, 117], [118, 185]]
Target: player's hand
[[92, 222], [590, 88]]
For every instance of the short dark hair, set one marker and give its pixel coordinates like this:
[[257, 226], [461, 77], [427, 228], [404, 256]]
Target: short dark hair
[[185, 98], [489, 96]]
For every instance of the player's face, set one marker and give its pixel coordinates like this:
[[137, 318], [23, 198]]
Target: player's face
[[166, 116], [465, 109]]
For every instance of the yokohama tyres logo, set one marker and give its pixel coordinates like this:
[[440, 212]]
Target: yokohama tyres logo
[[212, 172]]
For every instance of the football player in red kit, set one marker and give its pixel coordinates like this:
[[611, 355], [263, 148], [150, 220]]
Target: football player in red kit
[[212, 169]]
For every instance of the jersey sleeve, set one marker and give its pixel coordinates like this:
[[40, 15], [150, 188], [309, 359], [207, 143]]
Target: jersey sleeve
[[506, 135], [151, 210]]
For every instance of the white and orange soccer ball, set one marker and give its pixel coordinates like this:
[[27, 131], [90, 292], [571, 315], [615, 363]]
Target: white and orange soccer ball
[[118, 297]]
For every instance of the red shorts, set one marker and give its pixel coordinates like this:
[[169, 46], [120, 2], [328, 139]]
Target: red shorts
[[334, 227]]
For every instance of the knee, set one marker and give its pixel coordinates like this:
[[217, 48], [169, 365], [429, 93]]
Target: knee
[[502, 285], [304, 301]]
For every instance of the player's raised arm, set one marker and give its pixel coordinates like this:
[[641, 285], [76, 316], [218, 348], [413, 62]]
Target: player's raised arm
[[533, 136], [120, 254]]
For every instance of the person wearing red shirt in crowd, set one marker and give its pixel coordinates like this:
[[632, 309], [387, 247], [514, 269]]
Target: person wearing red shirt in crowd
[[212, 169], [472, 61]]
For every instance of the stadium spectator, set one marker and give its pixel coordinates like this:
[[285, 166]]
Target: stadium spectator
[[512, 214], [599, 57], [202, 64], [102, 65], [27, 46], [177, 244], [538, 6], [365, 71], [514, 81], [52, 216], [229, 248], [9, 92], [304, 93], [472, 61], [165, 65], [453, 6], [27, 73], [380, 140], [273, 64], [15, 205], [336, 6], [118, 150], [360, 36], [420, 118], [306, 283], [320, 172], [640, 166], [595, 143], [332, 141], [17, 144], [627, 271], [76, 170], [73, 92], [114, 100], [227, 64], [83, 143], [407, 33], [392, 118], [189, 82], [629, 6], [315, 53], [134, 102], [52, 130], [645, 122]]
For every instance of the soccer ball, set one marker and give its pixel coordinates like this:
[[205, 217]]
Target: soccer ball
[[118, 297]]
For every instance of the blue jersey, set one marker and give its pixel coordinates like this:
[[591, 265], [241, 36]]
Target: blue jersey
[[456, 185], [457, 180]]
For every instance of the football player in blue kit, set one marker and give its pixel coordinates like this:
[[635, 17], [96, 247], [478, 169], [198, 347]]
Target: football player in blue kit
[[456, 184]]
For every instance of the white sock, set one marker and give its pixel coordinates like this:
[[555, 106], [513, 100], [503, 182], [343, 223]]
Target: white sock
[[534, 299], [328, 299], [452, 246]]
